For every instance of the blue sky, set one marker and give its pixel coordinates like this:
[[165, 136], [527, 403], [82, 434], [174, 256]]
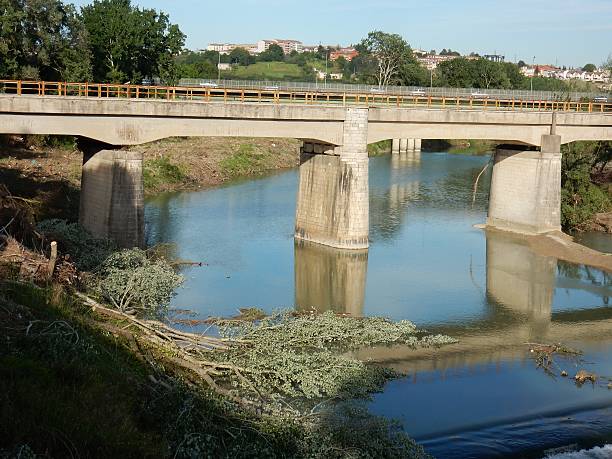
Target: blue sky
[[566, 32]]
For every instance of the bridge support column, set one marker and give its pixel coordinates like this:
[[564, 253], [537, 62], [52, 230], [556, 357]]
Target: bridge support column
[[332, 202], [395, 146], [417, 144], [526, 188], [112, 193]]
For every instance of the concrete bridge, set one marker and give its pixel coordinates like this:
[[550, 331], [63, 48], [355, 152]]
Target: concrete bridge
[[332, 207]]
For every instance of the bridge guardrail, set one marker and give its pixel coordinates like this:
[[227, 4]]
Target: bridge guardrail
[[276, 94], [402, 90]]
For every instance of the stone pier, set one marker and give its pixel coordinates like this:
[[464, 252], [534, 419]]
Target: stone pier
[[112, 193], [526, 188], [332, 204], [399, 146]]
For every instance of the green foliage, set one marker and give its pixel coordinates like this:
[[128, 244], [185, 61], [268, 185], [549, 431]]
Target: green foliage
[[160, 171], [477, 73], [273, 54], [580, 197], [129, 43], [241, 56], [379, 148], [589, 68], [268, 71], [64, 380], [304, 356], [86, 251], [42, 39], [133, 282], [242, 162], [386, 54]]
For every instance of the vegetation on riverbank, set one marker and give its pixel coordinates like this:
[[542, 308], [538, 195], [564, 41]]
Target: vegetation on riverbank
[[274, 386], [586, 184]]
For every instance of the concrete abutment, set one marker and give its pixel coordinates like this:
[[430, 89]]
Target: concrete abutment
[[112, 193], [333, 196], [526, 188]]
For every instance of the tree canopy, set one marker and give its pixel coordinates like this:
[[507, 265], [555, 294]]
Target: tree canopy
[[129, 43], [42, 39]]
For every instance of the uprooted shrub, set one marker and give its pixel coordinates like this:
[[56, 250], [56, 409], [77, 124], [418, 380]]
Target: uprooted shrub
[[133, 282], [87, 251]]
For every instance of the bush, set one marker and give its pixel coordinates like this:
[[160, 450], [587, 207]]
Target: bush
[[87, 251], [132, 282]]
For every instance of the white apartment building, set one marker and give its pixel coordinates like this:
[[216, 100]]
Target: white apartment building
[[287, 45]]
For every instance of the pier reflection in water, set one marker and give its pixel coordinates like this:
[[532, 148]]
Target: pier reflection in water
[[330, 279]]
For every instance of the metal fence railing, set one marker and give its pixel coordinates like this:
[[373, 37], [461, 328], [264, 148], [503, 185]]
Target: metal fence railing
[[399, 90]]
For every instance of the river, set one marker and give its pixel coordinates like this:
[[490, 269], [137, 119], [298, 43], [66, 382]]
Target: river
[[483, 397]]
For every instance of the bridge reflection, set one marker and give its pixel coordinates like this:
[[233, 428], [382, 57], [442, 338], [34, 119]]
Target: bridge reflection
[[518, 308]]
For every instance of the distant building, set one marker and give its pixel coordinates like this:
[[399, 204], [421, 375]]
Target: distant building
[[431, 61], [494, 57], [287, 45], [224, 66], [226, 48], [346, 53]]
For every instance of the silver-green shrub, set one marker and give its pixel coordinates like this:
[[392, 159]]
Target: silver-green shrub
[[132, 282]]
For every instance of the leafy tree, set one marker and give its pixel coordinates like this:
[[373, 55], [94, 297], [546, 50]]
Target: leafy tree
[[457, 73], [273, 54], [197, 65], [129, 43], [42, 39], [589, 68], [521, 64], [241, 56], [390, 52]]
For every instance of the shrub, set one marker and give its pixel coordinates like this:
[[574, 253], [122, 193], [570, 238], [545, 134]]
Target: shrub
[[87, 251], [132, 282]]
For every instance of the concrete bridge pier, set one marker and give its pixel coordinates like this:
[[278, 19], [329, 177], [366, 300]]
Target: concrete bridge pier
[[112, 193], [332, 203], [399, 146], [526, 188]]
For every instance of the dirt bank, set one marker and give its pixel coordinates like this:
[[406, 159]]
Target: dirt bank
[[51, 175]]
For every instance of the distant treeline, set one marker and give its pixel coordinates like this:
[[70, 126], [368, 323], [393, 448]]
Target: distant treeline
[[115, 41]]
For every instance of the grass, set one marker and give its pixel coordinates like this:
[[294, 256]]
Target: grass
[[267, 71], [162, 171], [249, 159]]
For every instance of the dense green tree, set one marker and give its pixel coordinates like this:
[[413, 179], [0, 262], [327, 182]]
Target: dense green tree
[[389, 52], [129, 43], [457, 73], [241, 56], [273, 54], [589, 68], [42, 39]]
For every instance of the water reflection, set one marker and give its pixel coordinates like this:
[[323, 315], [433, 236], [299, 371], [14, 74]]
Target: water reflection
[[329, 279], [518, 278]]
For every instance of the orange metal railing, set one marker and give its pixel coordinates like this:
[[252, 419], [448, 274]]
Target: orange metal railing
[[222, 94]]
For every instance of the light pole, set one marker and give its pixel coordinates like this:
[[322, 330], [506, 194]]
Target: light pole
[[431, 78], [219, 69], [532, 76]]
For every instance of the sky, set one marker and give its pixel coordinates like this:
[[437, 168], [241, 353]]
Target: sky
[[562, 32]]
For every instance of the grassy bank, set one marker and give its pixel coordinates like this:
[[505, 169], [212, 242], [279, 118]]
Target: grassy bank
[[460, 146]]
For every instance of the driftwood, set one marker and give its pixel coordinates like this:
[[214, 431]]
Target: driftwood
[[187, 348]]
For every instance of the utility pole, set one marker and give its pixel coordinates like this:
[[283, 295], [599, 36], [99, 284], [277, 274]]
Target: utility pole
[[326, 56], [219, 70]]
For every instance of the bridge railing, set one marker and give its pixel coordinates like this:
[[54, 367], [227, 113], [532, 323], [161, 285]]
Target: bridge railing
[[276, 95], [402, 90]]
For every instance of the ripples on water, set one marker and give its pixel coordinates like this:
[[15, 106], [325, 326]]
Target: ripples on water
[[482, 397]]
